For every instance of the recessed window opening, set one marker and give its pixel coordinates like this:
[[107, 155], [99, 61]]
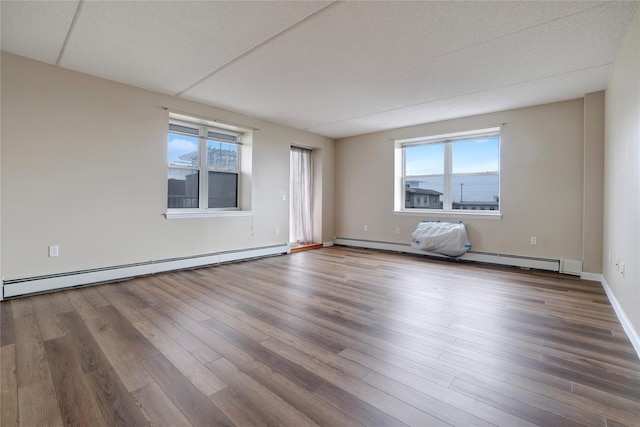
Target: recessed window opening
[[449, 173], [203, 167]]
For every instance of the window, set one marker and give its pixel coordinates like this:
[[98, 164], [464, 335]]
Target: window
[[452, 172], [204, 167]]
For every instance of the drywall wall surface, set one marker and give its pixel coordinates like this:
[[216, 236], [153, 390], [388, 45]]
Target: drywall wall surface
[[593, 185], [541, 183], [84, 166], [622, 177], [0, 174], [324, 193]]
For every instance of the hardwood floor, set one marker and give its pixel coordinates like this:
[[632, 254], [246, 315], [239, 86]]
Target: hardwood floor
[[335, 336], [307, 247]]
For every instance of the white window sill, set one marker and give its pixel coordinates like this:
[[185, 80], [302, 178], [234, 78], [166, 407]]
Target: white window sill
[[204, 214], [450, 214]]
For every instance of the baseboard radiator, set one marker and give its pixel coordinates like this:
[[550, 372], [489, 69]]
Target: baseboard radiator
[[565, 266], [39, 284]]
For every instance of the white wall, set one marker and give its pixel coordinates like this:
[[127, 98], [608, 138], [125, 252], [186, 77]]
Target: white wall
[[593, 185], [84, 166], [622, 179], [541, 183], [1, 275]]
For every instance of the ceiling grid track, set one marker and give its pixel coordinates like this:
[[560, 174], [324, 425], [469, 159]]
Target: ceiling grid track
[[258, 46], [333, 68], [71, 27], [439, 56], [310, 129]]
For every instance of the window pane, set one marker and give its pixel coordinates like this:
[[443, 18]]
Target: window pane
[[183, 151], [476, 192], [183, 188], [223, 190], [222, 156], [476, 156], [427, 159], [424, 193]]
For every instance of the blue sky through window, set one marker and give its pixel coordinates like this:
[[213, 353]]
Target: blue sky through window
[[474, 158], [180, 145]]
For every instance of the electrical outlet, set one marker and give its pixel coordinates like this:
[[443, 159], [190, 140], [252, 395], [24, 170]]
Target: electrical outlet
[[277, 231], [53, 250], [609, 255], [397, 230], [366, 228], [534, 240]]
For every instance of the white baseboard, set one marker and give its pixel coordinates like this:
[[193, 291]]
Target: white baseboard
[[500, 259], [32, 285], [595, 277], [327, 244], [633, 335]]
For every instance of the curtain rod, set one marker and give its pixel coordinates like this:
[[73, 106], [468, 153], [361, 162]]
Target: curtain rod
[[499, 125], [209, 119]]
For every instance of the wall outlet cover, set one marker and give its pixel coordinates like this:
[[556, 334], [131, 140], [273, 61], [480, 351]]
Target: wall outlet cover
[[54, 250]]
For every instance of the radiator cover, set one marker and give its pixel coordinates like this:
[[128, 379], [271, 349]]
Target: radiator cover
[[33, 285]]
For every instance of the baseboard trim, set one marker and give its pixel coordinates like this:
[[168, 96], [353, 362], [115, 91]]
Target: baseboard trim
[[595, 277], [490, 258], [633, 335], [308, 247], [39, 284]]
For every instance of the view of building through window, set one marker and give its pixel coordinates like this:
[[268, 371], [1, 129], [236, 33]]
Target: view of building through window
[[186, 168], [453, 174]]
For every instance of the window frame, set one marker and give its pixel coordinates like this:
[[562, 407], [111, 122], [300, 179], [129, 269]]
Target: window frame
[[203, 168], [448, 140]]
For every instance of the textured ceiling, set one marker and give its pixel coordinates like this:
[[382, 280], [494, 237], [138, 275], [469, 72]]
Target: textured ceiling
[[333, 68]]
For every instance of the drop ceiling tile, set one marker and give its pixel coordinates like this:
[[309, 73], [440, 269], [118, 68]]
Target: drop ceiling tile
[[537, 53], [352, 41], [351, 68], [35, 29], [168, 46], [553, 89]]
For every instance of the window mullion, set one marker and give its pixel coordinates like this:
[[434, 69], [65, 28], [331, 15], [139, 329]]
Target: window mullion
[[204, 200], [447, 177]]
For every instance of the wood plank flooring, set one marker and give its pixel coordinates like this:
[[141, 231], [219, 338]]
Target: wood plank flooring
[[333, 337]]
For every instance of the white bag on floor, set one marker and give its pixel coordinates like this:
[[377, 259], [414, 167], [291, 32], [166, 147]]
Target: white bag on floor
[[445, 238]]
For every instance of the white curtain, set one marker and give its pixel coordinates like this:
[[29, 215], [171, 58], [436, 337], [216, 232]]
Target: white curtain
[[301, 194]]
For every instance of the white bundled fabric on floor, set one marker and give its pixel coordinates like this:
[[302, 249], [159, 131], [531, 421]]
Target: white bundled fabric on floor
[[444, 238]]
